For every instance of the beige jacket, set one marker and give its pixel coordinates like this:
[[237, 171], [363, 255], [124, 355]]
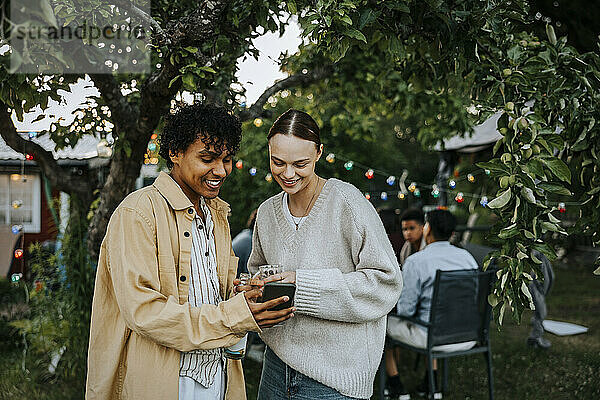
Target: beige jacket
[[141, 318]]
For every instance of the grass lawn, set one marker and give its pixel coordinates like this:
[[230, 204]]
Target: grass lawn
[[569, 370]]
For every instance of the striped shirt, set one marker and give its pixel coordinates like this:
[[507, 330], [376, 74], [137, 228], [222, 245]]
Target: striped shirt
[[203, 365]]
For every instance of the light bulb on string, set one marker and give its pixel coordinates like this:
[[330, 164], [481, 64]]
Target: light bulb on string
[[258, 122], [330, 158], [470, 178], [435, 192], [16, 229], [391, 180], [349, 165], [384, 196], [269, 177], [401, 195], [17, 204], [562, 208], [369, 174], [239, 164], [29, 157], [18, 253], [152, 146], [452, 184], [252, 171], [417, 193], [412, 187], [459, 197], [367, 196], [32, 135], [154, 136], [483, 201], [487, 171]]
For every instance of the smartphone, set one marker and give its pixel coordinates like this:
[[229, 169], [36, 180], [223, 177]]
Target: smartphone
[[273, 290]]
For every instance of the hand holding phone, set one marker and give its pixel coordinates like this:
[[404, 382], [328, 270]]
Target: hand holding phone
[[273, 290]]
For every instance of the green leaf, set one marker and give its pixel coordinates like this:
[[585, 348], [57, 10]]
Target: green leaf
[[536, 167], [356, 34], [291, 4], [191, 49], [174, 80], [208, 69], [508, 232], [554, 188], [367, 17], [501, 200], [346, 19], [528, 194], [188, 80], [551, 35], [558, 168], [493, 300]]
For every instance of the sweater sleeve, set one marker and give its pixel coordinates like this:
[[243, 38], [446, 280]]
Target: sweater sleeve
[[134, 269], [366, 294], [257, 257]]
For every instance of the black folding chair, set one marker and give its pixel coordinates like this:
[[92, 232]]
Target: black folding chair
[[460, 312]]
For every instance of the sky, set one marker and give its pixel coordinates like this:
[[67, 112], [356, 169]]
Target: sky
[[254, 75]]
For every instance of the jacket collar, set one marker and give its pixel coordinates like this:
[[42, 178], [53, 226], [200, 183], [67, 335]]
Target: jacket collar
[[177, 199]]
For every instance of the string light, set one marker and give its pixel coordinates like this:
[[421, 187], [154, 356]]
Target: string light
[[16, 229], [369, 174], [29, 157], [470, 178], [252, 171], [269, 177], [258, 122], [367, 196], [384, 196], [401, 195], [435, 192], [32, 135], [330, 158], [154, 136], [487, 171], [15, 177], [459, 197], [239, 164], [417, 193], [17, 204], [349, 165], [391, 180], [483, 201], [18, 253], [412, 187], [561, 208], [452, 184], [152, 146]]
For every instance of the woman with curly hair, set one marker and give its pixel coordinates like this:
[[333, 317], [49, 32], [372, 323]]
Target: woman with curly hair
[[331, 243], [164, 307]]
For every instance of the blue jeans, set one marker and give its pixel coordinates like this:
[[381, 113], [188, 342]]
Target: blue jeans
[[279, 381]]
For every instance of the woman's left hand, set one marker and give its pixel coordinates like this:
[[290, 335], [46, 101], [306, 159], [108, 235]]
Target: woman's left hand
[[283, 277]]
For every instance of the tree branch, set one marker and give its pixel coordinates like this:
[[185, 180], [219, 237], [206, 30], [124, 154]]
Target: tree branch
[[296, 80], [161, 36], [59, 177], [124, 114]]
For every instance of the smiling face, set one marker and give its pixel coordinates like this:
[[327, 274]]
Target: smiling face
[[200, 170], [292, 161]]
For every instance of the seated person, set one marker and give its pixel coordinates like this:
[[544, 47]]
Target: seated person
[[242, 244], [412, 229], [415, 301]]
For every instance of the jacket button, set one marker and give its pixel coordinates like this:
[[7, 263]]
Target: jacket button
[[206, 254], [182, 278], [186, 234], [190, 210]]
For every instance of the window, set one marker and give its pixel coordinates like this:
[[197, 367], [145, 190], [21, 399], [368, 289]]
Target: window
[[14, 188]]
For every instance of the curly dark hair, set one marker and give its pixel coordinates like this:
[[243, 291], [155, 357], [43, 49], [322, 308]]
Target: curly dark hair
[[215, 124]]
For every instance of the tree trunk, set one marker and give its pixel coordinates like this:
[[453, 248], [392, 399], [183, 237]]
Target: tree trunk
[[124, 171]]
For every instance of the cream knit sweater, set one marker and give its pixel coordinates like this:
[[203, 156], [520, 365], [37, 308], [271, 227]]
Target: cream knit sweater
[[347, 279]]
